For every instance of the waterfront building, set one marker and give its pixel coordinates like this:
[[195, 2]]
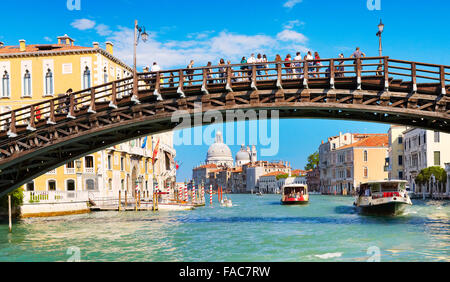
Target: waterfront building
[[313, 179], [253, 171], [37, 72], [268, 183], [395, 166], [347, 160], [241, 177], [424, 148]]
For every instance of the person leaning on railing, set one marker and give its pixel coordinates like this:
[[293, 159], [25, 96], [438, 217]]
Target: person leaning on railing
[[190, 72], [209, 75], [357, 54]]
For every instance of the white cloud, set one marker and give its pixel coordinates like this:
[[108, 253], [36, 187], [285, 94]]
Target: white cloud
[[291, 3], [103, 30], [227, 45], [292, 24], [48, 39], [83, 24], [291, 35]]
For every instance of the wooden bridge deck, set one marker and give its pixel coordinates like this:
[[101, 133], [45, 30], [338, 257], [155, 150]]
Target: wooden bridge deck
[[42, 136]]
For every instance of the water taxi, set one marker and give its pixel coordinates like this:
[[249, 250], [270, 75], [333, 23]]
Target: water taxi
[[383, 197], [294, 194]]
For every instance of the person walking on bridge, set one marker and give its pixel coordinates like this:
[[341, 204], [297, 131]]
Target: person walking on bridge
[[288, 66], [243, 68], [266, 66], [298, 58], [357, 54], [190, 72], [251, 60], [317, 63]]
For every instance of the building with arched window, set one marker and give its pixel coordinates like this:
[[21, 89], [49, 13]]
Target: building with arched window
[[348, 160], [49, 82]]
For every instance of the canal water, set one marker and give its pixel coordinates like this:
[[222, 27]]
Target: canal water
[[254, 229]]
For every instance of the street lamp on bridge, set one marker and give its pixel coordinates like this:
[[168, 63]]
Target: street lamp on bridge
[[144, 36], [380, 31]]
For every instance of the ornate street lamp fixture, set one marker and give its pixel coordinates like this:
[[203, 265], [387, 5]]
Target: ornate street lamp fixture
[[138, 33], [380, 31]]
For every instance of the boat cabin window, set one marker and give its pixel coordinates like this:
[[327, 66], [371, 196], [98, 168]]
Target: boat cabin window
[[375, 187], [364, 190], [389, 187], [294, 191]]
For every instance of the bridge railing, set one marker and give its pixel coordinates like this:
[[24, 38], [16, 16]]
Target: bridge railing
[[428, 78]]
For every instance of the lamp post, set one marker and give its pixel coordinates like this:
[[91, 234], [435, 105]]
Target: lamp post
[[144, 35], [380, 31]]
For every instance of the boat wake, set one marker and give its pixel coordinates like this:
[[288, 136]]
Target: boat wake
[[329, 255]]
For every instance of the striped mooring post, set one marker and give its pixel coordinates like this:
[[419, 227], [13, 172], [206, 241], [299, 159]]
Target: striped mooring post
[[203, 193], [210, 195], [193, 194], [185, 192]]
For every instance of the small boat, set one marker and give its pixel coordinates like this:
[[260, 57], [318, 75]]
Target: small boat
[[226, 203], [259, 194], [294, 194], [387, 197]]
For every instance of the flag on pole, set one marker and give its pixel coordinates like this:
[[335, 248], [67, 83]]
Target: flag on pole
[[145, 142], [155, 152]]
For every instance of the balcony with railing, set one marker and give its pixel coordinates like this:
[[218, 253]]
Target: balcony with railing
[[89, 170], [48, 197]]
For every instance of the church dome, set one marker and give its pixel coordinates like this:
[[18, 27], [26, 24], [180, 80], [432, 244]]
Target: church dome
[[242, 155], [219, 153]]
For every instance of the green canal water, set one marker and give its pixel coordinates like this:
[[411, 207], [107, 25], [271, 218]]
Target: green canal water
[[254, 229]]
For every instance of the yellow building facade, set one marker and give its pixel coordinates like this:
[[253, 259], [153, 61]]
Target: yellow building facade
[[33, 73]]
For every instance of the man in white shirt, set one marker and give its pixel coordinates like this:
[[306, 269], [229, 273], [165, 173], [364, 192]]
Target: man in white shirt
[[155, 67], [252, 59]]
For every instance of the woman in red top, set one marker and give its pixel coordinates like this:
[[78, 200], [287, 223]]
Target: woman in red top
[[317, 63], [288, 65]]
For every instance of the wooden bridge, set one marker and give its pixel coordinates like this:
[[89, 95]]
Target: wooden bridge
[[40, 137]]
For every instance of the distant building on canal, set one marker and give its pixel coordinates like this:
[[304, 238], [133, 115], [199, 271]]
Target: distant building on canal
[[347, 160]]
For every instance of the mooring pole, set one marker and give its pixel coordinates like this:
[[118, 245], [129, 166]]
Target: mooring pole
[[119, 200], [9, 212], [126, 204]]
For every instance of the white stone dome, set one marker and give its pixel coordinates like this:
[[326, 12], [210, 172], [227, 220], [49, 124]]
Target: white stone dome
[[219, 153], [242, 155]]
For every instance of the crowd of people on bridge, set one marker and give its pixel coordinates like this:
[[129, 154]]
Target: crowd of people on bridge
[[293, 67]]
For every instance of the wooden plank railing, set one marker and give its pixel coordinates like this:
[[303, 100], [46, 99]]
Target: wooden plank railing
[[180, 81]]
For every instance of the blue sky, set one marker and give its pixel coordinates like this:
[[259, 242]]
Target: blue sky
[[210, 30]]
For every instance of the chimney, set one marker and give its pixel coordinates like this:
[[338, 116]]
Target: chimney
[[95, 45], [65, 40], [109, 47], [2, 44], [22, 45]]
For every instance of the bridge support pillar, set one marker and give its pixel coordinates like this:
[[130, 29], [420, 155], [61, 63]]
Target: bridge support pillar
[[331, 96], [357, 97], [385, 98], [182, 104], [206, 103], [305, 96], [254, 98], [229, 99], [279, 96]]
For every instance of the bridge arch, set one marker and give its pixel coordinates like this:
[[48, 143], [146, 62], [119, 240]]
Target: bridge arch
[[43, 136]]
